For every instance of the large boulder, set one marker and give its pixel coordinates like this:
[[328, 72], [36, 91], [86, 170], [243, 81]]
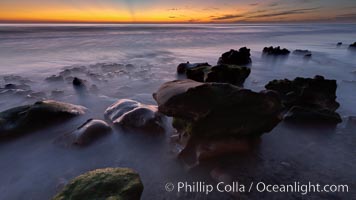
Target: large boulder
[[129, 114], [86, 134], [218, 109], [213, 113], [105, 184], [233, 57], [353, 46], [311, 98], [275, 51], [23, 119]]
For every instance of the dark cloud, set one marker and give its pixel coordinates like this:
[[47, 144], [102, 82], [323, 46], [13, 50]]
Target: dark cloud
[[286, 12], [254, 4], [226, 17]]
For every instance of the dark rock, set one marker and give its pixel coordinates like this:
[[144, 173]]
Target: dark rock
[[213, 113], [183, 67], [109, 184], [339, 44], [317, 95], [275, 51], [308, 115], [23, 119], [218, 109], [198, 73], [129, 114], [232, 74], [309, 55], [11, 86], [86, 134], [302, 52], [77, 82], [353, 46], [233, 57]]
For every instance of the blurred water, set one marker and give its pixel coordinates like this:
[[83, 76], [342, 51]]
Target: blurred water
[[145, 56]]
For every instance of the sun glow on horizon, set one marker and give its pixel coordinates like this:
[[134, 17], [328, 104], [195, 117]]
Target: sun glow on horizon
[[199, 11]]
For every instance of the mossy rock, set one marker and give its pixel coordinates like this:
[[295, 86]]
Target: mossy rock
[[104, 184]]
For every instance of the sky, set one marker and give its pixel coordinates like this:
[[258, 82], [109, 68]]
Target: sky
[[177, 11]]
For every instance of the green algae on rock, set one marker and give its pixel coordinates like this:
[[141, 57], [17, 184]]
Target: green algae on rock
[[104, 184]]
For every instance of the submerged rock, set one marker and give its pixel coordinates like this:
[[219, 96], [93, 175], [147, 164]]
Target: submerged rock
[[23, 119], [353, 46], [87, 133], [183, 67], [77, 82], [214, 112], [233, 57], [302, 52], [108, 184], [129, 114], [275, 51], [316, 96], [232, 74]]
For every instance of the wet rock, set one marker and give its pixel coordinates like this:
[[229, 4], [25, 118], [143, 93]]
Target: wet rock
[[316, 95], [307, 56], [198, 73], [210, 107], [308, 115], [109, 184], [232, 74], [77, 82], [302, 52], [183, 67], [129, 114], [233, 57], [339, 44], [89, 132], [275, 51], [353, 46], [23, 119], [11, 86], [214, 112]]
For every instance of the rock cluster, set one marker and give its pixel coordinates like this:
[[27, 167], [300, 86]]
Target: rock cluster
[[309, 100], [230, 68], [275, 51]]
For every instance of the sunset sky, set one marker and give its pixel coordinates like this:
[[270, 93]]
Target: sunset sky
[[179, 11]]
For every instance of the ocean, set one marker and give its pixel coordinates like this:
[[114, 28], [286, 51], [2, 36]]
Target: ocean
[[34, 167]]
